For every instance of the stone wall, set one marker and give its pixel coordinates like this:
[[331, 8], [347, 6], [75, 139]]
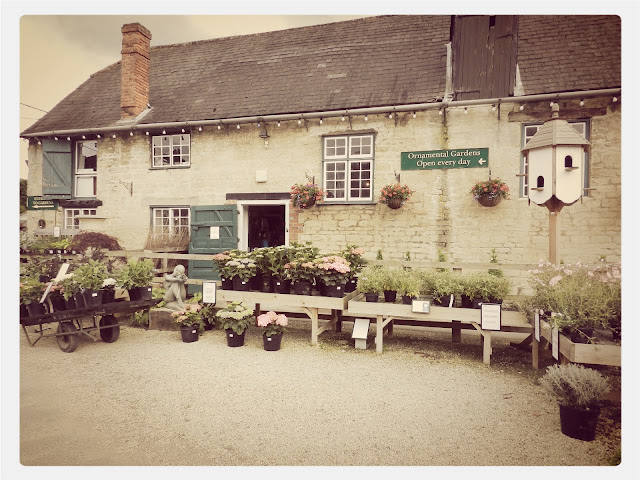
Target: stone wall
[[441, 215]]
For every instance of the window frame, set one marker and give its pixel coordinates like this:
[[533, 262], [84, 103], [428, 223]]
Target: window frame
[[171, 154], [349, 161], [75, 222], [522, 193], [172, 228], [84, 173]]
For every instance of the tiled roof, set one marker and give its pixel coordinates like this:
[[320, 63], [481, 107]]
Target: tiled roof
[[377, 61], [569, 53]]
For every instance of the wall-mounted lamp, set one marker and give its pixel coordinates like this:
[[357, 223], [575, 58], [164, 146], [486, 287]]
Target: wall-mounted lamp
[[581, 102], [414, 114], [366, 118], [521, 107], [466, 111]]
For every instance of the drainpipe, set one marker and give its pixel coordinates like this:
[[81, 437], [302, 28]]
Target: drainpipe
[[332, 113]]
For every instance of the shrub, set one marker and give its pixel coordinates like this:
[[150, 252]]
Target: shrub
[[574, 385], [91, 275], [94, 240], [409, 283], [136, 273], [369, 280]]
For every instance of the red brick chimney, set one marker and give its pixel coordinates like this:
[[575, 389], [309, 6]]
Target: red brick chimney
[[134, 80]]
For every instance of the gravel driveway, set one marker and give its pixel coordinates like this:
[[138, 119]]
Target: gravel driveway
[[150, 399]]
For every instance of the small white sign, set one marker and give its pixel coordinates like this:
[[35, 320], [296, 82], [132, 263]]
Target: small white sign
[[490, 316], [536, 325], [214, 233], [420, 306], [209, 292], [554, 343]]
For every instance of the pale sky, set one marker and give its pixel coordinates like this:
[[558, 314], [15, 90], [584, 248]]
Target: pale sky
[[59, 52]]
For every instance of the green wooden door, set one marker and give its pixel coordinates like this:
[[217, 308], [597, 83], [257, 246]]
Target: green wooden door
[[214, 229]]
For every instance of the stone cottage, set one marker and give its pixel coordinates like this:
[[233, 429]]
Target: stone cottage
[[206, 138]]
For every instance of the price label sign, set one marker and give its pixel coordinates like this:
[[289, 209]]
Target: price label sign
[[554, 342], [209, 292], [536, 325], [491, 316]]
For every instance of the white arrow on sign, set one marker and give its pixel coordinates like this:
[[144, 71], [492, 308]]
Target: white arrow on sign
[[481, 161]]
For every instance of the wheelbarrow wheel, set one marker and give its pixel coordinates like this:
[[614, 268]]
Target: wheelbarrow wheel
[[109, 335], [67, 342]]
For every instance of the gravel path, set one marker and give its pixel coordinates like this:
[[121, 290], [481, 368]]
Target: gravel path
[[150, 399]]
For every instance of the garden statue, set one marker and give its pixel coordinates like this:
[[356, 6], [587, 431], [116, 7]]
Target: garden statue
[[175, 292]]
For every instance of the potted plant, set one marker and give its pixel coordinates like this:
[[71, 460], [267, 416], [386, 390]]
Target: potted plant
[[395, 195], [444, 286], [69, 288], [242, 269], [306, 195], [136, 277], [190, 321], [332, 272], [353, 255], [220, 261], [390, 282], [274, 328], [55, 297], [263, 280], [31, 291], [369, 283], [580, 392], [235, 318], [109, 290], [302, 272], [90, 277], [489, 193], [409, 285], [278, 257]]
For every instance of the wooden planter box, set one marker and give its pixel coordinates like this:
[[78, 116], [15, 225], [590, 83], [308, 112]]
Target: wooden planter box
[[595, 354]]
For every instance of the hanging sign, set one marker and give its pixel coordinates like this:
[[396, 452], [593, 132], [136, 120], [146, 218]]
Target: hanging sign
[[490, 316], [440, 159], [41, 203]]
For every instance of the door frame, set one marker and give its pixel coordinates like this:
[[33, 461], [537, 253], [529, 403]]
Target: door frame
[[243, 219]]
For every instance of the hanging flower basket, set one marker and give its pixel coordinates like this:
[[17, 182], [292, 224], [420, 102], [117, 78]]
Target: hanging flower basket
[[306, 195], [490, 193], [395, 195], [488, 201]]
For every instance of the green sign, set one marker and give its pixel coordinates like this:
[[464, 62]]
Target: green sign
[[41, 203], [438, 159]]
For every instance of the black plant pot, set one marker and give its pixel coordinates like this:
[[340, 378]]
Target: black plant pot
[[71, 303], [351, 285], [321, 287], [281, 286], [579, 423], [36, 308], [371, 297], [241, 285], [92, 297], [58, 303], [302, 287], [477, 303], [24, 311], [140, 293], [466, 302], [266, 284], [335, 290], [108, 296], [189, 333], [272, 343], [79, 299], [227, 283], [234, 339], [390, 296], [406, 299], [255, 282]]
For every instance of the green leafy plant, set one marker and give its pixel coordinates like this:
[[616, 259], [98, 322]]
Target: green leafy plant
[[30, 290], [243, 267], [91, 275], [261, 259], [69, 286], [278, 257], [444, 283], [395, 191], [189, 316], [301, 269], [390, 278], [369, 280], [136, 273], [575, 386], [220, 261], [442, 257], [409, 283], [353, 255], [235, 316], [494, 259]]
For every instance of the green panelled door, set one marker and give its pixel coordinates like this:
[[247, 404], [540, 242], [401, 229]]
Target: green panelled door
[[214, 229]]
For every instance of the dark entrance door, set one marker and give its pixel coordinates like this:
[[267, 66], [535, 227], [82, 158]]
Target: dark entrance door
[[266, 226]]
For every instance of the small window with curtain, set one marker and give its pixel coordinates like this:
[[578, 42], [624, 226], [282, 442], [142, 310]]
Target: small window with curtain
[[171, 151]]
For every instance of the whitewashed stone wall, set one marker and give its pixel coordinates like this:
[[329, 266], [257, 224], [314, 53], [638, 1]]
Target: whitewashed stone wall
[[441, 214]]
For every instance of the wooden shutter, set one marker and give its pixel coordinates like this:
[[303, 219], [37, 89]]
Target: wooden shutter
[[57, 172]]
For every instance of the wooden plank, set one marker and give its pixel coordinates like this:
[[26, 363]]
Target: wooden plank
[[315, 301]]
